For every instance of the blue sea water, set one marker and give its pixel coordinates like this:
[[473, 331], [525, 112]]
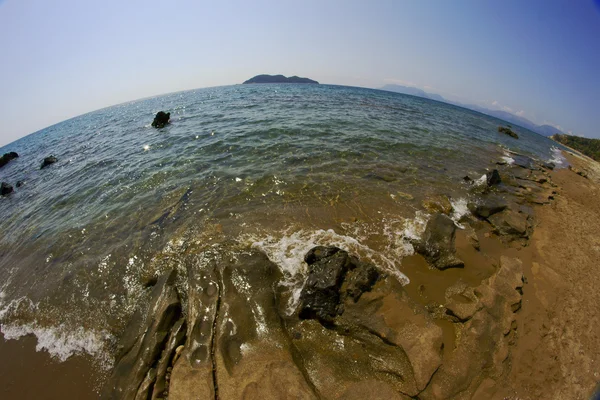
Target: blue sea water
[[277, 167]]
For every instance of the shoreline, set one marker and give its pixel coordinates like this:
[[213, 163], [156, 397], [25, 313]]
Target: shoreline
[[546, 348]]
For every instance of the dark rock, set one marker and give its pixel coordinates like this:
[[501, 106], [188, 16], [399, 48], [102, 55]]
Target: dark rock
[[5, 189], [493, 177], [437, 244], [48, 161], [360, 280], [510, 223], [320, 295], [319, 252], [161, 119], [508, 131], [7, 157], [487, 206], [144, 340], [20, 183]]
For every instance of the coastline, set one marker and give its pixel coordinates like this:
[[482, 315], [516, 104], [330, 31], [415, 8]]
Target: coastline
[[552, 347]]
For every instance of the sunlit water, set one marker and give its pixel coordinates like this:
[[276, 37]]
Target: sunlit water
[[276, 167]]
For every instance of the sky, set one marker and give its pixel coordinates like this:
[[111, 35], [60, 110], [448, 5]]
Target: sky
[[63, 58]]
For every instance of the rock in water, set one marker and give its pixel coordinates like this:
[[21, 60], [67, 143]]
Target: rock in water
[[7, 157], [508, 131], [20, 183], [437, 244], [161, 119], [5, 189], [48, 161], [493, 177]]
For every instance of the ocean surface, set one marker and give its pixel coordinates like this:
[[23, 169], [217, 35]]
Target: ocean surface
[[276, 167]]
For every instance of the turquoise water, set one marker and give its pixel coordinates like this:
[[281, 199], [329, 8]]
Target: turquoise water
[[278, 167]]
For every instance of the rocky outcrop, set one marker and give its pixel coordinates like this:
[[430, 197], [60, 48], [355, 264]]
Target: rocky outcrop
[[6, 157], [144, 342], [5, 189], [437, 244], [48, 161], [161, 119]]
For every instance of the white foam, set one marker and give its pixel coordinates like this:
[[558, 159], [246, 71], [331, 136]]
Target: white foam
[[481, 181], [61, 342], [459, 210], [557, 158]]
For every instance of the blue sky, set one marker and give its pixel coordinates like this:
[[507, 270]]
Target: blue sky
[[538, 59]]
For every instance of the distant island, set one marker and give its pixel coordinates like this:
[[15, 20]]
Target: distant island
[[279, 79]]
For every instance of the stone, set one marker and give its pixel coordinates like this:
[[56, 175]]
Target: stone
[[319, 252], [163, 368], [6, 157], [461, 301], [48, 161], [5, 189], [510, 223], [437, 244], [487, 206], [144, 340], [161, 119], [493, 177], [438, 204], [320, 295], [360, 280], [20, 183], [508, 131]]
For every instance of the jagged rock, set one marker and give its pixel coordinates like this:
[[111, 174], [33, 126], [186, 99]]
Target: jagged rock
[[510, 223], [5, 189], [437, 244], [176, 337], [320, 295], [144, 340], [438, 204], [359, 280], [487, 206], [161, 119], [319, 252], [48, 161], [7, 157], [482, 343], [493, 177], [253, 356]]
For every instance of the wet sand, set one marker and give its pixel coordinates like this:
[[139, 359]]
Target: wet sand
[[28, 374]]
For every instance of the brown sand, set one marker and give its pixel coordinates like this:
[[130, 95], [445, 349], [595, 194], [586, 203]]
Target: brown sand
[[28, 374]]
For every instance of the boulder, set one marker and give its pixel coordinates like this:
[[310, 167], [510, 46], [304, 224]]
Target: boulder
[[161, 119], [48, 161], [487, 206], [510, 223], [7, 157], [5, 189], [437, 243], [508, 131], [493, 177]]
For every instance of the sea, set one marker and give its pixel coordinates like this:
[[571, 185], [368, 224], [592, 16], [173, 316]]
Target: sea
[[274, 167]]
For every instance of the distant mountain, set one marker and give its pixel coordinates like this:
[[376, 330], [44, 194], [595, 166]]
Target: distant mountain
[[413, 91], [279, 79], [544, 130]]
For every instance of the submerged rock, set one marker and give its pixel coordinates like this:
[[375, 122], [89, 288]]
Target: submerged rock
[[7, 157], [48, 161], [438, 204], [161, 119], [437, 244], [5, 189]]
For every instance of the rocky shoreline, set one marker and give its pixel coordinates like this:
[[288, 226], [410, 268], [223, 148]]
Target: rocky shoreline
[[357, 332]]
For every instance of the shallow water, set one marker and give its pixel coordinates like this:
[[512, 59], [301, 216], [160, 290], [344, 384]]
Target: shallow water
[[277, 167]]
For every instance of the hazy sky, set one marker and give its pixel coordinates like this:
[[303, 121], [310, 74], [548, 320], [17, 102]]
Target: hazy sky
[[62, 58]]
